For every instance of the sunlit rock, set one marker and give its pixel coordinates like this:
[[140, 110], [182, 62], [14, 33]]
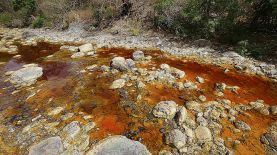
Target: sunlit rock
[[165, 109], [119, 83], [119, 145], [86, 48], [50, 146], [78, 55], [176, 138], [138, 55], [26, 76], [203, 134]]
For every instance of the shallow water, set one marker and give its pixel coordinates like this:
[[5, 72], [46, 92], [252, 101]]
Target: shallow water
[[63, 85]]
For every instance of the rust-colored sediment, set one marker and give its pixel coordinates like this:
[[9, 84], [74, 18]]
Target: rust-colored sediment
[[90, 93]]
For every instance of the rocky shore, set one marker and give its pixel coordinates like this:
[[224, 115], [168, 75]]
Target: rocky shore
[[146, 99]]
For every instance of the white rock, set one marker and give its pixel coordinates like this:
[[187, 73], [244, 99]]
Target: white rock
[[138, 55], [50, 146], [121, 64], [86, 48], [177, 138], [165, 109], [72, 129], [26, 76], [119, 83], [200, 79], [91, 68], [55, 111], [78, 55], [182, 115], [203, 134], [118, 145]]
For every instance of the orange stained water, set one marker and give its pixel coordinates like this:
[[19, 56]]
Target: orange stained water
[[62, 84]]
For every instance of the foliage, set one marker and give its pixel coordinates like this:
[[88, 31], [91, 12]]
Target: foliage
[[6, 17], [39, 22], [27, 7], [214, 18]]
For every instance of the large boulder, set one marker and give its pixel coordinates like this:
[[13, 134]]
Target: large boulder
[[122, 64], [26, 76], [86, 48], [165, 109], [118, 145], [50, 146]]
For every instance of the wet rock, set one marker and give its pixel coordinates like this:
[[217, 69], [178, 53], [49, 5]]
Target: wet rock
[[176, 138], [220, 87], [202, 121], [165, 152], [178, 85], [26, 76], [189, 133], [203, 134], [121, 64], [200, 79], [55, 111], [105, 68], [131, 64], [138, 56], [242, 126], [257, 105], [91, 68], [67, 116], [165, 109], [177, 73], [89, 126], [91, 53], [50, 146], [269, 139], [78, 55], [140, 84], [72, 152], [119, 83], [69, 48], [119, 145], [182, 115], [189, 85], [192, 105], [264, 111], [86, 48], [9, 73], [72, 129], [30, 65], [273, 110], [202, 98]]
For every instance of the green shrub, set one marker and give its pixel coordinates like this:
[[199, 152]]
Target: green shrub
[[24, 7], [39, 22], [6, 17]]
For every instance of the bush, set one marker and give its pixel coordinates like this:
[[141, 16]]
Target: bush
[[214, 18], [6, 18], [39, 22]]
